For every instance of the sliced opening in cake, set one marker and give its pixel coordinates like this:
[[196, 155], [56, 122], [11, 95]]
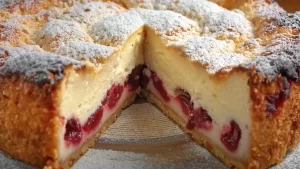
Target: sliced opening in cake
[[91, 100], [216, 111]]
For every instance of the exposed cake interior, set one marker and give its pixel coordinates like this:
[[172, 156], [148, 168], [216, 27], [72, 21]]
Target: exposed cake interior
[[216, 109], [89, 99]]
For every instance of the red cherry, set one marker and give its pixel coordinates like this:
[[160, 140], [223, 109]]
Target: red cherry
[[93, 121], [73, 133], [231, 136], [113, 96]]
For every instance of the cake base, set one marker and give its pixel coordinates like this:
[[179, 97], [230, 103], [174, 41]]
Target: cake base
[[203, 141], [91, 142]]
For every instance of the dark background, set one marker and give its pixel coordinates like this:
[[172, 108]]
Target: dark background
[[290, 5]]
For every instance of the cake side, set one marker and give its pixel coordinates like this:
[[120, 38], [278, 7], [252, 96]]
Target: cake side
[[275, 117], [29, 104], [29, 120], [275, 92], [103, 78]]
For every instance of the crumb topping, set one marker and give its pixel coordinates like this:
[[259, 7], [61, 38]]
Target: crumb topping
[[220, 39], [169, 25], [40, 68], [115, 30], [90, 13], [85, 51]]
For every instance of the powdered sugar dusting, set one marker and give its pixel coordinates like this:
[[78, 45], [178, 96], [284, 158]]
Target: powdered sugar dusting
[[60, 32], [268, 11], [114, 30], [169, 25], [86, 51], [212, 18], [90, 13], [13, 32], [228, 24], [14, 5], [281, 59], [40, 68], [214, 54], [7, 51], [274, 17], [77, 28]]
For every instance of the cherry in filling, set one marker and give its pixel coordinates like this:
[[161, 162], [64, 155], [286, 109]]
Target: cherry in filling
[[199, 118], [158, 84], [144, 80], [93, 121], [74, 130], [113, 96], [231, 136], [134, 80], [275, 101], [184, 100], [73, 133]]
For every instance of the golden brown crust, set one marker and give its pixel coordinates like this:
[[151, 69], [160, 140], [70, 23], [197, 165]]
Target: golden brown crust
[[230, 4], [10, 8], [28, 121], [273, 135]]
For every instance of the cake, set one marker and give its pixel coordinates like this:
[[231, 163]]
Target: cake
[[227, 73]]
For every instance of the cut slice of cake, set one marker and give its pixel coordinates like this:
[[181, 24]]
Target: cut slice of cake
[[54, 107], [237, 98]]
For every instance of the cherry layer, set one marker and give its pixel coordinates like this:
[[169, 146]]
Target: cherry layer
[[135, 79], [199, 118], [184, 100], [231, 135], [93, 121], [158, 84], [74, 132], [275, 101], [113, 96]]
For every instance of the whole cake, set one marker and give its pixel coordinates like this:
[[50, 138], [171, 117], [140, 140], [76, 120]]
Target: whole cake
[[227, 72]]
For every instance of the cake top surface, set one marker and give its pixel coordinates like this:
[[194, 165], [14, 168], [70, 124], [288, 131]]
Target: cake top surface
[[41, 68], [256, 34]]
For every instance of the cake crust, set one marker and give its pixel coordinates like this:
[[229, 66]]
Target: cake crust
[[29, 121], [279, 130]]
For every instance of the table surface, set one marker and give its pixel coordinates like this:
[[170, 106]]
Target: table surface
[[143, 137]]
